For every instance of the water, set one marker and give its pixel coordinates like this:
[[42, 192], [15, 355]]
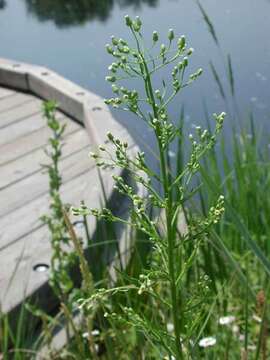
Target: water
[[68, 36]]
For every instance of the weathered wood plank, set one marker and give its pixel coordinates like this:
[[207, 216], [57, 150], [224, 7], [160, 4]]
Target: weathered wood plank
[[31, 162], [5, 92], [14, 74], [27, 217], [98, 120], [13, 101], [20, 257], [16, 130], [21, 112], [32, 141], [24, 240], [33, 186]]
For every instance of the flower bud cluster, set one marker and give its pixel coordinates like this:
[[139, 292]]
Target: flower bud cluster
[[146, 284], [178, 70], [206, 142], [99, 296], [139, 204], [200, 227], [203, 135], [121, 156], [118, 49], [134, 25], [83, 210], [156, 202], [181, 44], [121, 186], [165, 130], [219, 121], [197, 149], [133, 317], [140, 161], [195, 75], [126, 97], [216, 212]]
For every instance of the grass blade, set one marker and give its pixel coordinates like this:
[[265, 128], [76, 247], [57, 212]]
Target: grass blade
[[239, 224], [230, 74], [217, 79], [208, 22]]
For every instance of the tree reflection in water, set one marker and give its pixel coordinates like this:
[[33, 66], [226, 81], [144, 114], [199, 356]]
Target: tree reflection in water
[[3, 4], [77, 12]]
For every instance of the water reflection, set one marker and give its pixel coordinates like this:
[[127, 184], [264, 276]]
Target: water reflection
[[76, 12], [3, 4]]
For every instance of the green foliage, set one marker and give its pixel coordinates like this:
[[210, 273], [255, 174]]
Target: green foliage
[[61, 257], [162, 283], [196, 282]]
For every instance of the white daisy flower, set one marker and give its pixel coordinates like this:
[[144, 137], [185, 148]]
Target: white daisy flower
[[95, 332], [226, 320], [242, 337], [235, 329], [207, 341], [256, 318], [170, 327]]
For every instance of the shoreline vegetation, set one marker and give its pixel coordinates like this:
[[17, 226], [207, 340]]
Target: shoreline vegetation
[[193, 291]]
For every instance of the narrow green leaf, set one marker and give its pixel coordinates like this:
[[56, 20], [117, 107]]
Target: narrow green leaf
[[230, 74], [217, 79], [209, 23], [239, 225]]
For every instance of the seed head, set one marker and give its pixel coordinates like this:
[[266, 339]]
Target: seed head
[[128, 21], [109, 49], [155, 36], [171, 35]]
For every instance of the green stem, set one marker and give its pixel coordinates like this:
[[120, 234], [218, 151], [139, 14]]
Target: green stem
[[169, 207], [170, 249]]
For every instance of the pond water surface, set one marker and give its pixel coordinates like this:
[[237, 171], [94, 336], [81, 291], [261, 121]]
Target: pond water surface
[[68, 36]]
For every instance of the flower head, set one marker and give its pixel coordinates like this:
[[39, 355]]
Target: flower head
[[170, 327], [207, 342], [226, 320]]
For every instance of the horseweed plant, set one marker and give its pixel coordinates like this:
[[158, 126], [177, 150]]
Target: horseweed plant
[[61, 259], [162, 281]]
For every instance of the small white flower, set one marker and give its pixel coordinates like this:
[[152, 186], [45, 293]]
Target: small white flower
[[171, 154], [95, 332], [256, 318], [226, 320], [241, 337], [235, 329], [170, 327], [207, 341]]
